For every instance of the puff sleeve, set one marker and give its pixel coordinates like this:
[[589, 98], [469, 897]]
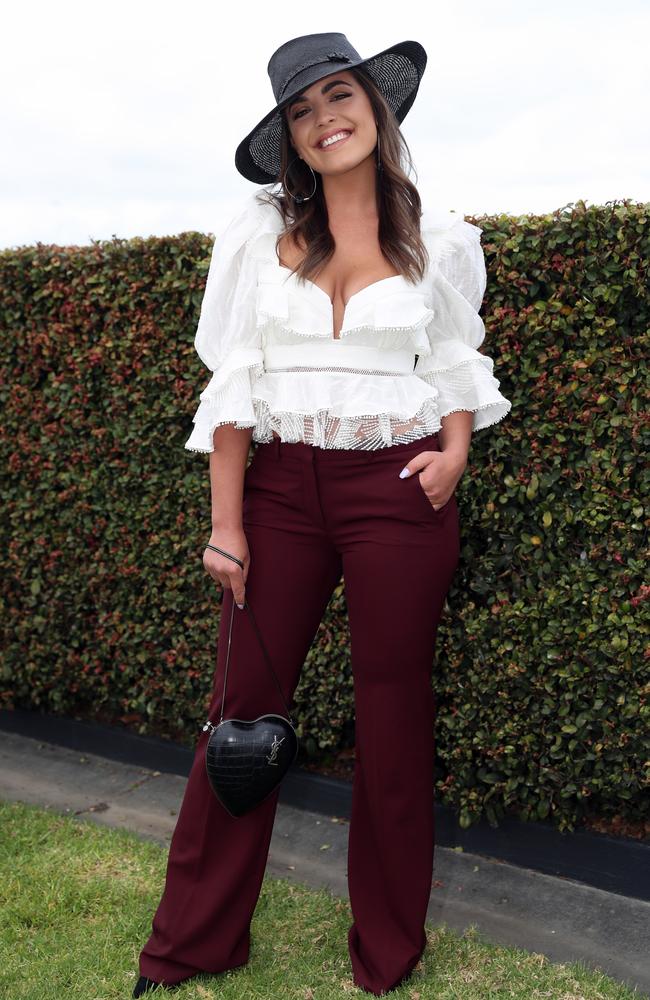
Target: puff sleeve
[[227, 338], [462, 375]]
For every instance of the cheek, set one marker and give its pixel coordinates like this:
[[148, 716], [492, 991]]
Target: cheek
[[366, 133], [365, 142]]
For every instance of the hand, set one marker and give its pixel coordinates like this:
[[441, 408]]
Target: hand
[[439, 472], [226, 572]]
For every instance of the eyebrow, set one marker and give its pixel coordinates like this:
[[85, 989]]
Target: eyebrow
[[324, 90]]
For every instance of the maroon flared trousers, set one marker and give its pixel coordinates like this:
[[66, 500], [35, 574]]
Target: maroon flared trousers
[[312, 515]]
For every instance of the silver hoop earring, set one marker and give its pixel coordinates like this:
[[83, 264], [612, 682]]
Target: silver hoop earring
[[299, 198]]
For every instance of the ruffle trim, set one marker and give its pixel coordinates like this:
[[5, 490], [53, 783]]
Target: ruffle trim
[[235, 362], [416, 332], [225, 400], [470, 386], [443, 233], [482, 415], [448, 355]]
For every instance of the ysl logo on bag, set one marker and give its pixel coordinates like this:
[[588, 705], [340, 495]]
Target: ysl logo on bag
[[274, 750], [238, 750]]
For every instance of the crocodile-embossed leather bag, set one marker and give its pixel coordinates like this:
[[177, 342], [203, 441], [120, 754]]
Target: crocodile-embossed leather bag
[[246, 759]]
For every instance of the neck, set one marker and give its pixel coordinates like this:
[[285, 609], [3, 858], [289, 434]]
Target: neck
[[351, 196]]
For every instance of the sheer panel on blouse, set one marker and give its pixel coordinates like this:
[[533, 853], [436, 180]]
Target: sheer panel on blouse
[[326, 431]]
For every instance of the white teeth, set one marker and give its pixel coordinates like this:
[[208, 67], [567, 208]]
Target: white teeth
[[333, 138]]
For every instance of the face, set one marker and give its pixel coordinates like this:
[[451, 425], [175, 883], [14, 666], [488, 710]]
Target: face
[[337, 103]]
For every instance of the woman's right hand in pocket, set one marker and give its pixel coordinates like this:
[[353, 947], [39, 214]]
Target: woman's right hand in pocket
[[224, 571]]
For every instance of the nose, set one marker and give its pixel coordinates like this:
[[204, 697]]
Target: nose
[[325, 116]]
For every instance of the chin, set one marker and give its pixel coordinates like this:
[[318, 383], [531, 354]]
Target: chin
[[345, 163]]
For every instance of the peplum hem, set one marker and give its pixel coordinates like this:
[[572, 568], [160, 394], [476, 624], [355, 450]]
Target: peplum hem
[[364, 432], [340, 409]]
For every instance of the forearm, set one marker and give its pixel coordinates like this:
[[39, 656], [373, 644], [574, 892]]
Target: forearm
[[455, 435], [227, 467]]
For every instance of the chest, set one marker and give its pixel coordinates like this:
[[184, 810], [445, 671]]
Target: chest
[[357, 263]]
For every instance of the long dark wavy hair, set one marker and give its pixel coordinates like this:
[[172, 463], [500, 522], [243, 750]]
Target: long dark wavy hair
[[398, 202]]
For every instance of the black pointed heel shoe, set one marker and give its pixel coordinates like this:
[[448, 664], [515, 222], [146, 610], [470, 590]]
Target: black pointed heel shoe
[[144, 985]]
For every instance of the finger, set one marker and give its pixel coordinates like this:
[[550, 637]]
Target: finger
[[219, 569], [416, 463], [435, 504], [238, 589]]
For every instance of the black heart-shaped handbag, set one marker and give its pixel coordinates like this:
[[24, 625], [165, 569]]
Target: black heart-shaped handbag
[[246, 759]]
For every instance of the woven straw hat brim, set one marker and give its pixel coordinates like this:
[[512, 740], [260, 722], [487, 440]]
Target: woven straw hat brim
[[397, 72]]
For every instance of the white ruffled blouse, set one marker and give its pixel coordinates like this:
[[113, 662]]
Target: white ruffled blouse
[[268, 339]]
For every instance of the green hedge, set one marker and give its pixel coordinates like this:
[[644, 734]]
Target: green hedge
[[540, 679]]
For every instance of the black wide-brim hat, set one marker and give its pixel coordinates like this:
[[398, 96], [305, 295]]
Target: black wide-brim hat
[[300, 62]]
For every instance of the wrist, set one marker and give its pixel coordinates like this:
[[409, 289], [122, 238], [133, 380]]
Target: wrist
[[221, 526], [457, 457]]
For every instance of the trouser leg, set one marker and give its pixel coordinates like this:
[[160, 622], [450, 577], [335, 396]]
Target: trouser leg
[[216, 862], [398, 563], [391, 840]]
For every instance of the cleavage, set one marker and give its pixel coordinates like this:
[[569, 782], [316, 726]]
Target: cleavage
[[338, 305]]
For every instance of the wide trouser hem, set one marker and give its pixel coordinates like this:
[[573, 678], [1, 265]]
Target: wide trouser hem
[[380, 992], [376, 988], [173, 973]]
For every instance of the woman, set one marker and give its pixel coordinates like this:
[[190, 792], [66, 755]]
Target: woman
[[341, 326]]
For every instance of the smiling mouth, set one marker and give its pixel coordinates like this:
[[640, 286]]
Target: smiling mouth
[[337, 142]]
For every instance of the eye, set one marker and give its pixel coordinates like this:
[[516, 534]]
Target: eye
[[341, 93]]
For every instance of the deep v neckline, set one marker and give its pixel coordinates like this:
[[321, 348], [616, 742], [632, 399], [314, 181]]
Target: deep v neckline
[[308, 281], [321, 291]]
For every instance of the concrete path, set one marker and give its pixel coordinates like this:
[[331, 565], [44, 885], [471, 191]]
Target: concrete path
[[562, 919]]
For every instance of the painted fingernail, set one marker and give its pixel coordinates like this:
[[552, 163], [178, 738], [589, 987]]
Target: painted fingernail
[[404, 473]]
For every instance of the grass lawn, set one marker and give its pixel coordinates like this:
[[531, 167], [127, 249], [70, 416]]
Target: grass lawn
[[76, 902]]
